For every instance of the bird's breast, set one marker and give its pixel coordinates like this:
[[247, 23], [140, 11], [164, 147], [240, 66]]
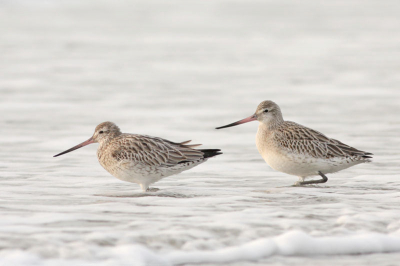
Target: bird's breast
[[264, 143], [105, 158], [271, 152]]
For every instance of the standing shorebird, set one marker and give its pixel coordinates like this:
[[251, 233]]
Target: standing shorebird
[[298, 150], [142, 159]]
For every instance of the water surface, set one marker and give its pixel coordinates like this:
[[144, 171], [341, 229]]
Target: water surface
[[177, 70]]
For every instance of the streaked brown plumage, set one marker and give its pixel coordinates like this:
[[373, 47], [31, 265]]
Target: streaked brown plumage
[[143, 159], [295, 137], [298, 150]]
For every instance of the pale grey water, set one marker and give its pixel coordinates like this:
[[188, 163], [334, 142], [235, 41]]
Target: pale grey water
[[177, 70]]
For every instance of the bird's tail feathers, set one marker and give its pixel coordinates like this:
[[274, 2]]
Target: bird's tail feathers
[[208, 153]]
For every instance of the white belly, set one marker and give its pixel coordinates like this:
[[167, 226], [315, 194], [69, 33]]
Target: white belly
[[143, 174], [138, 173], [302, 165]]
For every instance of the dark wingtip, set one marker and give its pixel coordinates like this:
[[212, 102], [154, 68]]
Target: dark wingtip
[[211, 152], [367, 157]]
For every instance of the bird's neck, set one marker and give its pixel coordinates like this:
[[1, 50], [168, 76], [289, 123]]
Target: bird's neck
[[271, 124], [104, 142]]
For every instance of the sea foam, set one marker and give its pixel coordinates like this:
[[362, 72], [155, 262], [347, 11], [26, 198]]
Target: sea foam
[[293, 243]]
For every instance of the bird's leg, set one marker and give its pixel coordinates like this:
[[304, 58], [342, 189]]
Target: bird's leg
[[324, 177], [144, 187], [323, 180]]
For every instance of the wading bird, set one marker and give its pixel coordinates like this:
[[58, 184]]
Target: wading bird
[[298, 150], [142, 159]]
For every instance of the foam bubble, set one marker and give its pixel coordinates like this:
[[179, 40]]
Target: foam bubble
[[293, 243]]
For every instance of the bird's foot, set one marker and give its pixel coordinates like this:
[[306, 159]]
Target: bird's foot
[[302, 183], [152, 189], [318, 181]]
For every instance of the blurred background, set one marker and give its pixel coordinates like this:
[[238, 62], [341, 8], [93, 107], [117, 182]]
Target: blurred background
[[67, 61], [178, 69]]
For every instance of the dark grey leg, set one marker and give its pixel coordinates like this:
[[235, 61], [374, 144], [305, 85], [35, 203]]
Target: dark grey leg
[[152, 189], [323, 180]]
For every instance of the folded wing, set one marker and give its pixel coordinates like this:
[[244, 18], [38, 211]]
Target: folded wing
[[154, 151], [303, 140]]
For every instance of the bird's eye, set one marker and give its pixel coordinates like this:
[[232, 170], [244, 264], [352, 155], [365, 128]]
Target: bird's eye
[[266, 111], [101, 132]]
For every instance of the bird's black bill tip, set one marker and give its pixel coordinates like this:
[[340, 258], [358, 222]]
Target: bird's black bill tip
[[59, 154], [64, 152], [230, 125]]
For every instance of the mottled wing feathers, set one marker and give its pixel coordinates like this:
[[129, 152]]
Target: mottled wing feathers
[[340, 149], [186, 142], [153, 151], [303, 140]]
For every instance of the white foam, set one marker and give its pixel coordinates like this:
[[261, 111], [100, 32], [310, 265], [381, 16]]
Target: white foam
[[136, 255], [18, 257], [293, 243]]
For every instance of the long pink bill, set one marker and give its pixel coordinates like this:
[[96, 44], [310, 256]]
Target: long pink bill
[[89, 141], [248, 119]]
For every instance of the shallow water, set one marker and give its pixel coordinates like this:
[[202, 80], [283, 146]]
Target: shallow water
[[177, 70]]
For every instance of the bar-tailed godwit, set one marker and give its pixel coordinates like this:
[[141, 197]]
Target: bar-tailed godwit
[[142, 159], [298, 150]]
